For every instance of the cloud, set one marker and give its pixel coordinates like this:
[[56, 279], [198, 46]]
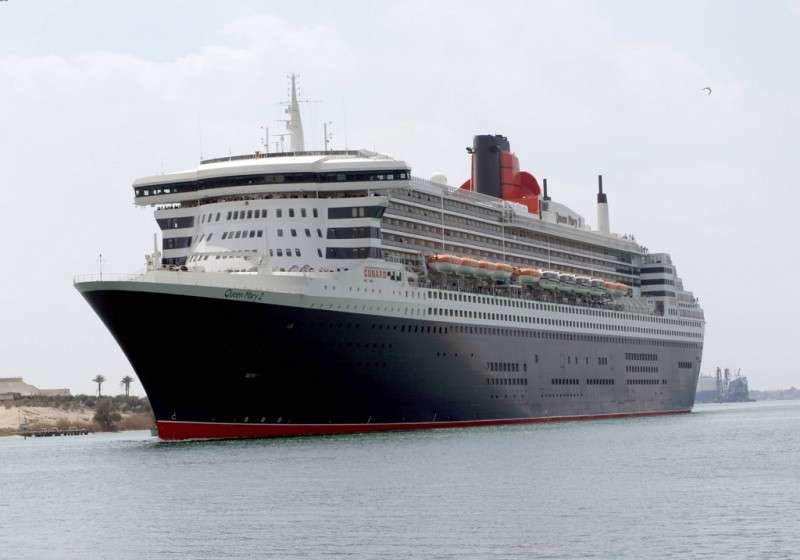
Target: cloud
[[574, 92]]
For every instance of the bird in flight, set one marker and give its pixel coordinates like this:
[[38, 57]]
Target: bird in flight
[[707, 90]]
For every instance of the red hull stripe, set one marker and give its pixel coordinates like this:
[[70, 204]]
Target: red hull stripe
[[174, 430]]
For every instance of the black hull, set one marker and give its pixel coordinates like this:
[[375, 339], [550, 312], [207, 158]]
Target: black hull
[[205, 361]]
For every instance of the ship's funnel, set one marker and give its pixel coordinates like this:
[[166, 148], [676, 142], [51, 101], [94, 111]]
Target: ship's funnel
[[602, 208], [486, 150]]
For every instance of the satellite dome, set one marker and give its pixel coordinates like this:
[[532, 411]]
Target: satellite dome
[[439, 178]]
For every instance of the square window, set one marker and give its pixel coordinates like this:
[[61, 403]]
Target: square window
[[260, 233], [238, 234], [224, 235], [291, 212], [303, 212], [297, 252], [229, 216], [280, 252], [294, 233], [280, 233], [217, 219], [209, 237], [270, 252], [319, 252], [316, 214], [319, 232], [278, 213], [308, 232], [264, 213], [249, 214], [252, 233]]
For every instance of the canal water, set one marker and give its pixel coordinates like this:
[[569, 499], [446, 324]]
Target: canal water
[[722, 482]]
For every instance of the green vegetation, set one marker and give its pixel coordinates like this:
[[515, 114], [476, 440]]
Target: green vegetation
[[121, 403], [106, 416], [99, 379]]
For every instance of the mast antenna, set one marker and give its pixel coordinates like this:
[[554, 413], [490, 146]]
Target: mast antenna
[[327, 134], [294, 124]]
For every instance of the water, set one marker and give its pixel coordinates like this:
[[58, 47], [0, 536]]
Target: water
[[721, 482]]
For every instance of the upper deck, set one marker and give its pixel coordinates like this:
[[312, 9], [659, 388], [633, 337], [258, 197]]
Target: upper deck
[[255, 173]]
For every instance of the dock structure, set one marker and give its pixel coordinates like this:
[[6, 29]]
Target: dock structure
[[54, 432]]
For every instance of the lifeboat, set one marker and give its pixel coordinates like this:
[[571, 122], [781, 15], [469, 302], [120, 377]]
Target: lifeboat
[[598, 287], [444, 264], [470, 267], [583, 285], [503, 271], [528, 276], [568, 283], [616, 288], [549, 280], [486, 269]]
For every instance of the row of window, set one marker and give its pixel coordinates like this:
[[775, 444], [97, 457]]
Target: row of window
[[175, 223], [354, 233], [353, 253], [602, 361], [355, 212], [565, 381], [176, 243], [685, 365], [657, 282], [269, 179], [641, 369], [544, 306], [599, 381], [641, 357], [506, 381], [659, 293], [507, 332], [645, 381], [280, 252], [293, 232], [470, 314], [505, 366], [238, 234]]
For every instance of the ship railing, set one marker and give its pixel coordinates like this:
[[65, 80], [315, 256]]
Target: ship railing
[[108, 276]]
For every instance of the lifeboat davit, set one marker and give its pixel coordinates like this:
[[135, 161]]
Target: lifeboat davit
[[503, 271], [617, 288], [549, 280], [528, 276]]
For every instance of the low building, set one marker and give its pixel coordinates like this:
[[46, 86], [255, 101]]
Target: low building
[[16, 386]]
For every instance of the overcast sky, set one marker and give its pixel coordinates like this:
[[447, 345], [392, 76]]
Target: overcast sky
[[94, 94]]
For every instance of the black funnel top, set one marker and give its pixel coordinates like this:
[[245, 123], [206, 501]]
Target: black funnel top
[[486, 150], [601, 196]]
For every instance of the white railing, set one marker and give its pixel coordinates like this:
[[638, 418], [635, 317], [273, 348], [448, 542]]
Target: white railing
[[108, 276]]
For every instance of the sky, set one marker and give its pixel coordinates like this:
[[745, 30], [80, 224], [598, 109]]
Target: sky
[[94, 94]]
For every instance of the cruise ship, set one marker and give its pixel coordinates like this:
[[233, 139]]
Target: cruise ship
[[325, 292]]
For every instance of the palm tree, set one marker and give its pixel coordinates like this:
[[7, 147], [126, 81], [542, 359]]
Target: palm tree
[[99, 380], [126, 382]]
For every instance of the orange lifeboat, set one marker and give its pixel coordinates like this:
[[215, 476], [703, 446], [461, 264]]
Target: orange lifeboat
[[503, 271], [528, 276], [443, 264], [486, 269], [469, 266], [616, 288]]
